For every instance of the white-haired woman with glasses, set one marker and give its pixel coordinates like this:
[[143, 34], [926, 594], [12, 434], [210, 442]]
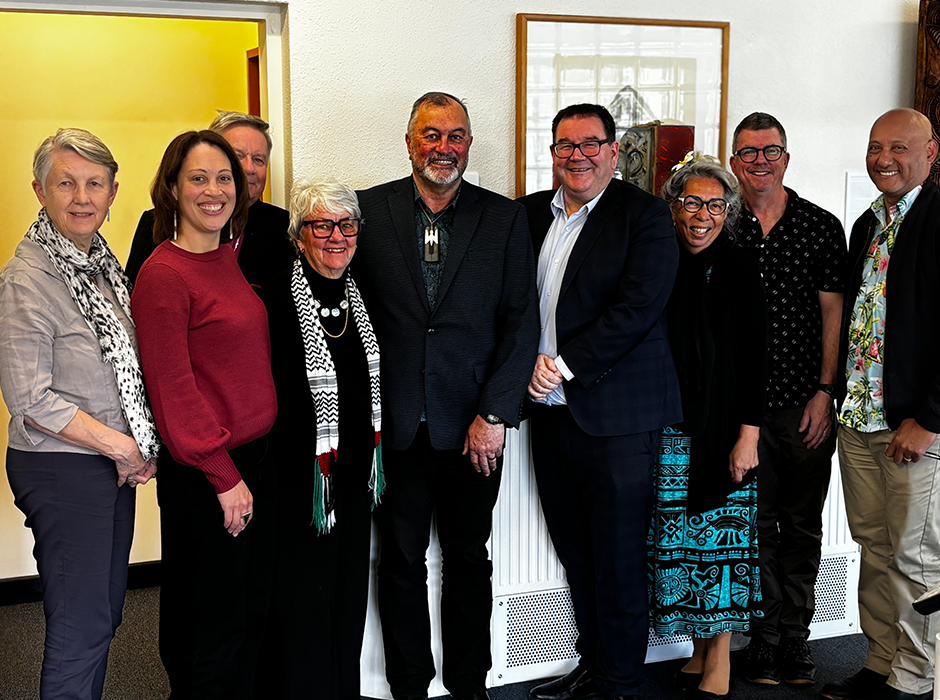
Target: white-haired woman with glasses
[[81, 432], [703, 541], [326, 446]]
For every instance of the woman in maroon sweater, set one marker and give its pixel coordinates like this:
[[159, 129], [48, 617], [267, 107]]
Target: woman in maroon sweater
[[206, 359]]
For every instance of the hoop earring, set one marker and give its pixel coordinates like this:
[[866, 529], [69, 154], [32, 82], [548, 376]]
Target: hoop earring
[[175, 233]]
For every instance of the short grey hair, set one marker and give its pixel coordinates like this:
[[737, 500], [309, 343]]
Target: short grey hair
[[84, 143], [437, 99], [226, 120], [326, 195], [759, 121], [708, 168]]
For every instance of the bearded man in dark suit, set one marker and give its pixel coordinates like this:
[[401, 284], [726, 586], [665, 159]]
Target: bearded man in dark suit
[[447, 271]]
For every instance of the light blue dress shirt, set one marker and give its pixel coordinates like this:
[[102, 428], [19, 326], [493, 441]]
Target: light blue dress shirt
[[553, 259]]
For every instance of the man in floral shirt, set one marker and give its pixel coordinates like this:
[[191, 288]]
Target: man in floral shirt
[[889, 415]]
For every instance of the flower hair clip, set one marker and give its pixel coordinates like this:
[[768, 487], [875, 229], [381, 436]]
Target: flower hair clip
[[689, 157]]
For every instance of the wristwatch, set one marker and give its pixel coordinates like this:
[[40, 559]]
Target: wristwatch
[[829, 389], [492, 419]]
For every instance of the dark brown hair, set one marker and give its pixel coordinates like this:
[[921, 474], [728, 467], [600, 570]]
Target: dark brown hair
[[161, 192]]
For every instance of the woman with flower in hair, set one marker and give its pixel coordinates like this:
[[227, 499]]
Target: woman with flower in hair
[[703, 540]]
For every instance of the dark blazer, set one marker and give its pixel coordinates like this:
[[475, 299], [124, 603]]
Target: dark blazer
[[265, 250], [610, 318], [724, 386], [475, 353], [912, 332]]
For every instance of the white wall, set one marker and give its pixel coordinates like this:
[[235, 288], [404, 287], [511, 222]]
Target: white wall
[[826, 70]]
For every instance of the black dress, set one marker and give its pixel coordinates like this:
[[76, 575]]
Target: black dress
[[703, 540], [320, 597]]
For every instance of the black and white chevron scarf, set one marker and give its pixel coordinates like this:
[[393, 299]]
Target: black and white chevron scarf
[[321, 378], [78, 271]]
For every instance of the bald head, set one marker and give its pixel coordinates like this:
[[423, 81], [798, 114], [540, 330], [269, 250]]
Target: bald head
[[901, 150]]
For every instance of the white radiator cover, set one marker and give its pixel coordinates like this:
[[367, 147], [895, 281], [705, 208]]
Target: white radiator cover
[[533, 623]]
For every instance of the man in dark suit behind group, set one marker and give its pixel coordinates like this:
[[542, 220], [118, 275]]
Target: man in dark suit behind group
[[604, 386], [448, 275], [263, 247]]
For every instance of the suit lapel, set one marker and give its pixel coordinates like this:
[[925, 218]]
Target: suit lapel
[[465, 224], [401, 205], [597, 220], [541, 218]]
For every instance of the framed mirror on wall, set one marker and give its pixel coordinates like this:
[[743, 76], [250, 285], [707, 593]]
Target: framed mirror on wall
[[640, 69]]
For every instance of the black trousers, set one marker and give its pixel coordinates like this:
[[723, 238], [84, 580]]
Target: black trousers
[[423, 482], [792, 486], [83, 525], [596, 493], [209, 595], [321, 587]]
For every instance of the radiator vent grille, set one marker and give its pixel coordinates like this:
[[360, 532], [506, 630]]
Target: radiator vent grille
[[656, 641], [540, 628], [831, 589]]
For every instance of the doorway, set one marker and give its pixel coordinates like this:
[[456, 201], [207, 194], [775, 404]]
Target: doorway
[[136, 82]]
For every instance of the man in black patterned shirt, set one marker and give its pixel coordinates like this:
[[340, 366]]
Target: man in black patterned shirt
[[802, 255]]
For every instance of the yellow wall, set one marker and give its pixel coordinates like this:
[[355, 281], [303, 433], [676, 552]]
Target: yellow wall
[[136, 83]]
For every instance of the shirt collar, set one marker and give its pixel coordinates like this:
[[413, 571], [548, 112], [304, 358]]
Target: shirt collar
[[419, 198], [558, 203], [878, 206]]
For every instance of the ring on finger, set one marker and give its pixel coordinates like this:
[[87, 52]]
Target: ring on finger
[[246, 517]]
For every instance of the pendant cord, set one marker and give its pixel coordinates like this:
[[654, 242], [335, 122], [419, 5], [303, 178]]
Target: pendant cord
[[427, 213]]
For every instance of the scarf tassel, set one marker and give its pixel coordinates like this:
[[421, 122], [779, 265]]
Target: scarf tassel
[[324, 516], [377, 477]]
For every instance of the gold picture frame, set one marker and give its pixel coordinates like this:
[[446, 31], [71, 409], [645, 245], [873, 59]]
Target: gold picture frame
[[678, 67]]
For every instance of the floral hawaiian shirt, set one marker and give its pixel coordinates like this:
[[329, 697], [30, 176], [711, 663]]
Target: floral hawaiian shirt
[[863, 408]]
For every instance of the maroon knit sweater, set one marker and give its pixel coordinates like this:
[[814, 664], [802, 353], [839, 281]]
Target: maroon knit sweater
[[206, 357]]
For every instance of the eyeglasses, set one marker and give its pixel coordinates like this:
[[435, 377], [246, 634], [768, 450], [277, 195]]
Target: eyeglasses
[[323, 228], [692, 204], [771, 153], [589, 149]]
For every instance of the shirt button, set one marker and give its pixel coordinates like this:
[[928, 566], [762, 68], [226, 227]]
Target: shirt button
[[430, 331]]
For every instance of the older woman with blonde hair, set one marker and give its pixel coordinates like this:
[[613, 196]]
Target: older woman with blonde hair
[[81, 433], [326, 446]]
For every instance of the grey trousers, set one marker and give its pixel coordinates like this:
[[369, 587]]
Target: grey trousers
[[894, 514], [83, 525]]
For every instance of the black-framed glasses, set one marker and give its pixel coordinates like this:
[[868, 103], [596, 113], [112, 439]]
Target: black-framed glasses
[[323, 228], [588, 149], [692, 204], [771, 153]]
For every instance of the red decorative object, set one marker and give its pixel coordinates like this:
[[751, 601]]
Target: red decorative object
[[648, 152]]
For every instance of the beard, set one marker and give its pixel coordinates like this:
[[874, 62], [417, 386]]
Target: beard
[[434, 174]]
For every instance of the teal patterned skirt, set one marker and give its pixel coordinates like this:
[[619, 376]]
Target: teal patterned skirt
[[703, 571]]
